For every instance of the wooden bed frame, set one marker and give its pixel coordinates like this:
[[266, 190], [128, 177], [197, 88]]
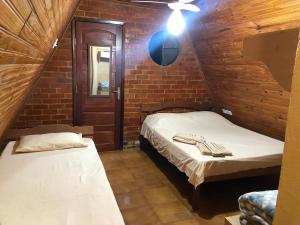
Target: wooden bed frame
[[15, 134], [150, 150], [173, 107]]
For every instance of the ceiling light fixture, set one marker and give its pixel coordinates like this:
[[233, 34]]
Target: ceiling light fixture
[[176, 23]]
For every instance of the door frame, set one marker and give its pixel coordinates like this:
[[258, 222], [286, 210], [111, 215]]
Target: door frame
[[74, 72]]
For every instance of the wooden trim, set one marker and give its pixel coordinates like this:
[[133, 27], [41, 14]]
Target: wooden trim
[[74, 80], [153, 108], [95, 20], [149, 109], [15, 134], [122, 81], [143, 6], [245, 174], [122, 99]]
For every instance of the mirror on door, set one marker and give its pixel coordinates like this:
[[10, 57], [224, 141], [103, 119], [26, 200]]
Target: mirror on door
[[100, 69]]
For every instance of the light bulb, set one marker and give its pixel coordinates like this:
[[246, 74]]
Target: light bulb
[[176, 23]]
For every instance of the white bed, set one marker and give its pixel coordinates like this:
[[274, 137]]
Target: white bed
[[251, 150], [64, 187]]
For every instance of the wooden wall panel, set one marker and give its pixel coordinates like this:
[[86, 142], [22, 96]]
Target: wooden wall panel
[[288, 203], [28, 29], [246, 87]]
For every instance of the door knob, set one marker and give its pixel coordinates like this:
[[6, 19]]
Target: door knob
[[118, 92]]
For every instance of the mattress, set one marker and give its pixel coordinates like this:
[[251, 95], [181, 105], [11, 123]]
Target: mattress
[[251, 150], [64, 187]]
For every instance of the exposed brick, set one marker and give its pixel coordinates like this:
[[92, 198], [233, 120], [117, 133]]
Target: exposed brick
[[145, 82]]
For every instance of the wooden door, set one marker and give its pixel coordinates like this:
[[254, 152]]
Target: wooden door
[[98, 81]]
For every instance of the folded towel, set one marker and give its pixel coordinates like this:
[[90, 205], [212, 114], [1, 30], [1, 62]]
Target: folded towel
[[213, 149], [190, 139], [203, 149], [258, 207], [206, 148]]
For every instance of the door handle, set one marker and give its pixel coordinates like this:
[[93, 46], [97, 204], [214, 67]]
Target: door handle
[[118, 92]]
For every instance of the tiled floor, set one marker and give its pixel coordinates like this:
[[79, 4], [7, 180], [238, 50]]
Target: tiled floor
[[146, 196]]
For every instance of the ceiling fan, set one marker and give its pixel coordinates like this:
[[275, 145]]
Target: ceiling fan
[[179, 5]]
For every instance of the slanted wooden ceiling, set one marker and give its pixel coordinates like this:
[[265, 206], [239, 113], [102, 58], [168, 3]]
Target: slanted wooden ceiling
[[28, 29], [246, 87]]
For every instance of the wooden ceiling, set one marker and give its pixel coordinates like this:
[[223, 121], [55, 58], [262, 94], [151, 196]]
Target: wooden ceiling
[[246, 87], [28, 29]]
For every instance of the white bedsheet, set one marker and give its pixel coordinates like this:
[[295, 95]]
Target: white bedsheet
[[251, 150], [64, 187]]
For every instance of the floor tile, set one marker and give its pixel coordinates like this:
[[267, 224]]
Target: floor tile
[[172, 212], [160, 195], [147, 197], [131, 200], [140, 216], [124, 187], [119, 176], [186, 222]]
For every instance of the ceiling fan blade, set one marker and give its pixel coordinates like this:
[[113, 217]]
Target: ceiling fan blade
[[176, 5], [183, 6], [190, 7], [186, 1], [155, 2]]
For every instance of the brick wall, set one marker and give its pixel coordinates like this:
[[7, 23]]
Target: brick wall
[[145, 82], [50, 102]]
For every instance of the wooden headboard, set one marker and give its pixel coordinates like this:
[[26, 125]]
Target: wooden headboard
[[147, 109], [15, 134]]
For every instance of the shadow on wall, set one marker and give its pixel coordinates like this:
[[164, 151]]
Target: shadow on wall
[[277, 50]]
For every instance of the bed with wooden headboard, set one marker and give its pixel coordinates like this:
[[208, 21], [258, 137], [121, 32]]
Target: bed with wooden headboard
[[253, 154], [15, 134], [67, 186]]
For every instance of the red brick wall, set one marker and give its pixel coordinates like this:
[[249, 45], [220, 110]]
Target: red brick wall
[[145, 82], [50, 101]]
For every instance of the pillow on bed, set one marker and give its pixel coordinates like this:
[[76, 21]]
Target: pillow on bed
[[50, 141]]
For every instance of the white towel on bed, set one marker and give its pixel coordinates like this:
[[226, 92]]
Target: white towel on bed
[[191, 139], [205, 147]]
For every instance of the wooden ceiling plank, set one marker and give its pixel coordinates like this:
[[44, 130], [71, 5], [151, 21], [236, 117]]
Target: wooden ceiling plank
[[23, 7], [12, 43], [34, 22], [7, 57], [28, 34], [39, 8], [51, 15], [28, 29], [9, 19]]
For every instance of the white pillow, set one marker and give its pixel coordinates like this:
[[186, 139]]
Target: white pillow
[[50, 141]]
